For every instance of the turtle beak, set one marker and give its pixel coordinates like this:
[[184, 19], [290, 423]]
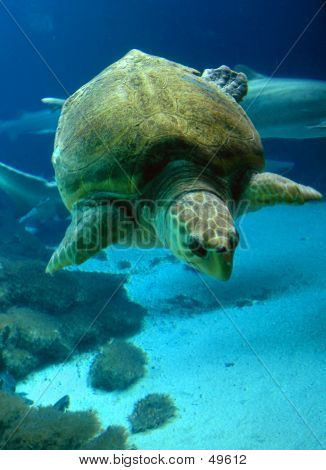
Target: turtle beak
[[217, 265], [225, 266], [220, 265]]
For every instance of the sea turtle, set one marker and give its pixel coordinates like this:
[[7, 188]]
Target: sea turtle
[[152, 153]]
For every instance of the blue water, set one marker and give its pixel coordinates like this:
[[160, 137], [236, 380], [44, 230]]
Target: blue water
[[256, 344]]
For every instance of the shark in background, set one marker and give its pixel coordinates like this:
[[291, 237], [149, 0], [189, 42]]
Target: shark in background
[[37, 200], [34, 122], [285, 108], [280, 108]]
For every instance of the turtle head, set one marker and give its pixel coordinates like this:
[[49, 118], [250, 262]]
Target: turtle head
[[199, 230]]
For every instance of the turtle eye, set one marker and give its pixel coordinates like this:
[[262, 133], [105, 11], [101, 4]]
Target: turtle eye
[[234, 240], [221, 250], [196, 247]]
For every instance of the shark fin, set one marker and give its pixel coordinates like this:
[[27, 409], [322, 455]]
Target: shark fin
[[44, 132], [320, 125], [53, 103], [249, 72]]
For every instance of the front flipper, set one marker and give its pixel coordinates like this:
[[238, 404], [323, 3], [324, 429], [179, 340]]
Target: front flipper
[[89, 232], [269, 188]]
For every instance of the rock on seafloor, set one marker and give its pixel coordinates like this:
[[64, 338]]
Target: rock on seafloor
[[43, 318], [119, 365], [152, 412]]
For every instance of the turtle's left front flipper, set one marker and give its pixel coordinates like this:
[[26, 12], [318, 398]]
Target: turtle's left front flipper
[[266, 189], [89, 232]]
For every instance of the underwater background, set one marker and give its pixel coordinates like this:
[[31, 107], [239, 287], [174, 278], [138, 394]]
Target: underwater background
[[239, 365]]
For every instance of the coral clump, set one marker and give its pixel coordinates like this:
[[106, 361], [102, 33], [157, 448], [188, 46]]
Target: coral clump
[[30, 428], [43, 428], [151, 412], [113, 438], [119, 365]]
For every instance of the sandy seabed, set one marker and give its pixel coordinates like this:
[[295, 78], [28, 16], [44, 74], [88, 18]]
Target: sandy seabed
[[244, 361]]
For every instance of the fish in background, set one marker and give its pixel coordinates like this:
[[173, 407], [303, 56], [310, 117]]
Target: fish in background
[[285, 108], [34, 122]]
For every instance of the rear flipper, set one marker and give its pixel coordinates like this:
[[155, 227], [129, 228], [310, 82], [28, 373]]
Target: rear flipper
[[269, 188], [89, 232]]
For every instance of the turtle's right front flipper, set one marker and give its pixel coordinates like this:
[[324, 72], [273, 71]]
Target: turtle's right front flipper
[[89, 232], [265, 189]]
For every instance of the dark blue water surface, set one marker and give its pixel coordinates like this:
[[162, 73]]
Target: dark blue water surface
[[51, 45]]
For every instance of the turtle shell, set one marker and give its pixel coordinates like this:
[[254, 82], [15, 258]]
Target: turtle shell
[[118, 131]]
